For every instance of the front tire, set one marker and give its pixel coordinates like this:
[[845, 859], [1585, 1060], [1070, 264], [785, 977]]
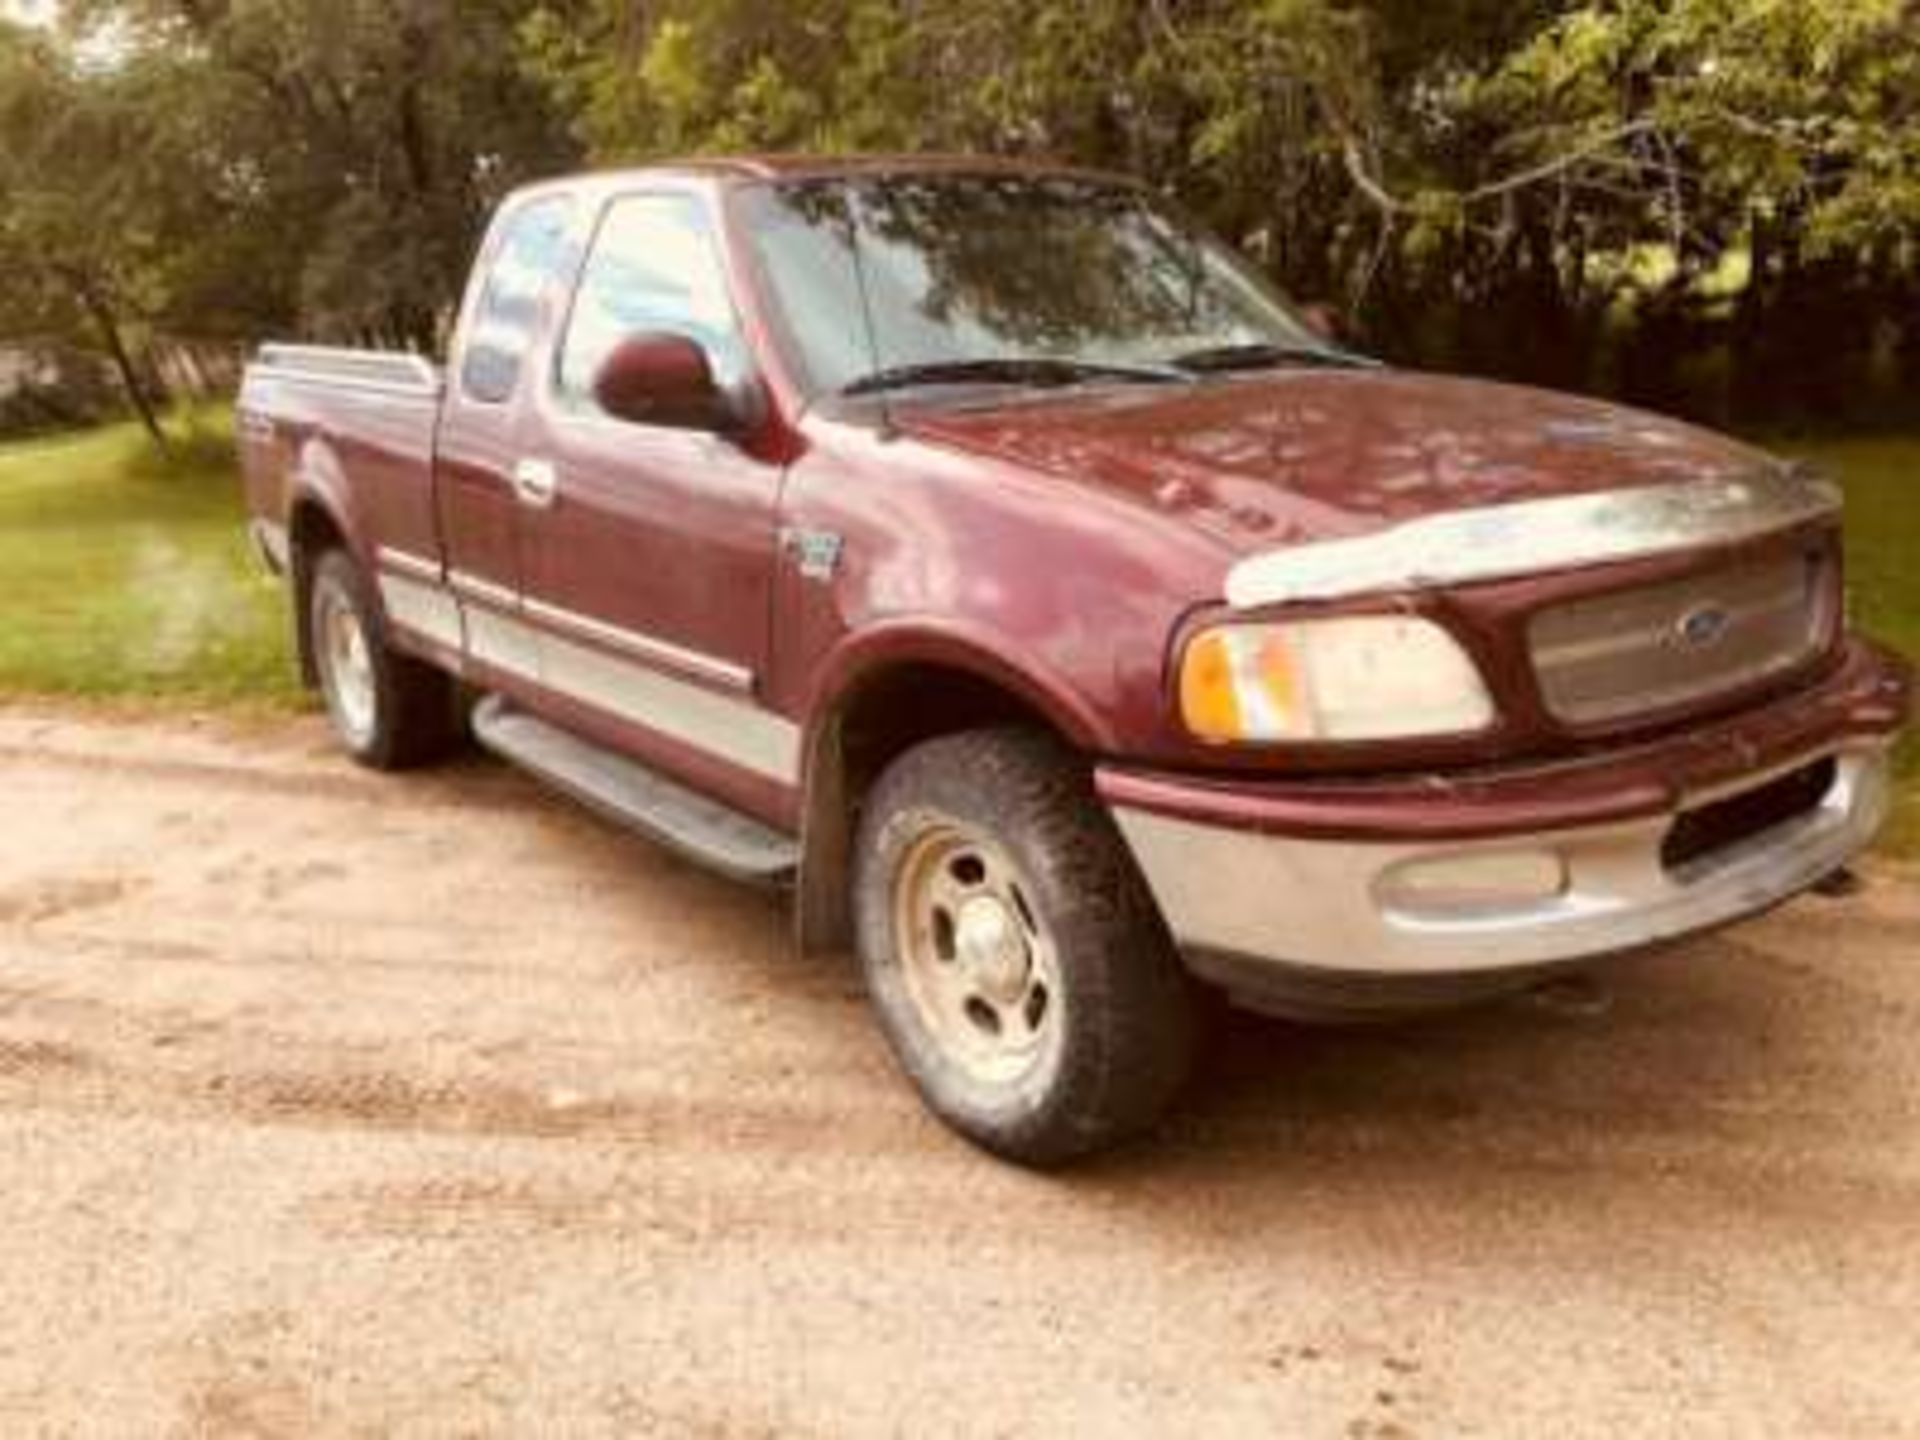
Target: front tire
[[390, 711], [1021, 971]]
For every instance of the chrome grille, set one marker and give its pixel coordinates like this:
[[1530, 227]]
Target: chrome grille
[[1684, 642]]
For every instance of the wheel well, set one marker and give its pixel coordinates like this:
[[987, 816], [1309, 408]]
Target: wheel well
[[882, 718], [312, 533]]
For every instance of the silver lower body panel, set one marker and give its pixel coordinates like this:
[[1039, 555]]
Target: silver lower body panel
[[1365, 925]]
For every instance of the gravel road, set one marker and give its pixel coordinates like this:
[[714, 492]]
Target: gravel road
[[331, 1104]]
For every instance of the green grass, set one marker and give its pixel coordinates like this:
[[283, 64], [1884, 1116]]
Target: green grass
[[1882, 476], [127, 575]]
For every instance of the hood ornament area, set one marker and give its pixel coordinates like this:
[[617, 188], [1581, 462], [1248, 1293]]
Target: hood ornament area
[[1702, 628]]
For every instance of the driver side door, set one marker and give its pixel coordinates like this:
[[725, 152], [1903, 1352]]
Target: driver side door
[[647, 573]]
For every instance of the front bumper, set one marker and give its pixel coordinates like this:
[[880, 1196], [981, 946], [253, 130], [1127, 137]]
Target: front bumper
[[1401, 887]]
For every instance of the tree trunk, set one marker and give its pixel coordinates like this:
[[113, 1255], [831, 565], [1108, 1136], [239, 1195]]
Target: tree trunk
[[104, 321]]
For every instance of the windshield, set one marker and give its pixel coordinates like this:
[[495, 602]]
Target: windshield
[[954, 277]]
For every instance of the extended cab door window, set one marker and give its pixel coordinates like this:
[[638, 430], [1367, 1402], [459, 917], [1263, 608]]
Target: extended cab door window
[[532, 254], [482, 456]]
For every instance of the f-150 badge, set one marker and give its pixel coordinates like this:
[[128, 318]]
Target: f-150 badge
[[817, 552]]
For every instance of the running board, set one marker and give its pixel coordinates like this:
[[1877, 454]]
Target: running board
[[631, 795]]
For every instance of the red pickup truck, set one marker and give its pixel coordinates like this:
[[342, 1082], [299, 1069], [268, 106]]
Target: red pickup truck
[[989, 555]]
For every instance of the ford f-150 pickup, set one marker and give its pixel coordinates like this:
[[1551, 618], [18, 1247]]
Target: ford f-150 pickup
[[994, 559]]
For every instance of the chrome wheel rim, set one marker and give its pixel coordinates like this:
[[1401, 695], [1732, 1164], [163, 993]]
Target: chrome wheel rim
[[979, 966], [346, 664]]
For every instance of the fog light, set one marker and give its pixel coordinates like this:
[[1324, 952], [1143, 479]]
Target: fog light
[[1490, 880]]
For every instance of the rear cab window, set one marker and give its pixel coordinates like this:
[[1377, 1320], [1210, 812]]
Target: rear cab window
[[533, 252]]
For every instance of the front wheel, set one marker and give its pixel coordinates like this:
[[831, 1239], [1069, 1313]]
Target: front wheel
[[390, 711], [1021, 971]]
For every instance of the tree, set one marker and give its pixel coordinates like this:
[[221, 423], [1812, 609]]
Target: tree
[[1519, 185], [361, 145], [78, 241], [1608, 193]]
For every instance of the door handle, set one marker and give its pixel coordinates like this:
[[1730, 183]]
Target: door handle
[[536, 483]]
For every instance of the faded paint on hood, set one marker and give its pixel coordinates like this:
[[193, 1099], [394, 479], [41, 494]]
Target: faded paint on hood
[[1314, 455]]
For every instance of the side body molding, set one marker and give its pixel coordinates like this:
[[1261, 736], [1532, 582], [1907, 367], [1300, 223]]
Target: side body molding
[[697, 700]]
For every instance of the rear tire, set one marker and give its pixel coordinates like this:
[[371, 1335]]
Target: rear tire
[[1020, 968], [390, 711]]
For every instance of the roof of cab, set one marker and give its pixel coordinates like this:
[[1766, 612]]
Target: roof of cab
[[838, 167], [830, 167], [766, 169]]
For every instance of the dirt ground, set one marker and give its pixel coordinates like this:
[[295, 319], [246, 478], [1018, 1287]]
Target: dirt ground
[[331, 1104]]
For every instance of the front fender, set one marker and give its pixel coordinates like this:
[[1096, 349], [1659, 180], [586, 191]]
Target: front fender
[[905, 641]]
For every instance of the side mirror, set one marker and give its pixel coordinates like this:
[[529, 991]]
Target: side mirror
[[665, 380]]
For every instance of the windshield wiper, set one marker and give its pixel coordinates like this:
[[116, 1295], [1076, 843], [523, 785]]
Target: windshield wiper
[[1265, 355], [1038, 370]]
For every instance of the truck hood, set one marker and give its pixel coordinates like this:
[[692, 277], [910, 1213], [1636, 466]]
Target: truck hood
[[1317, 455]]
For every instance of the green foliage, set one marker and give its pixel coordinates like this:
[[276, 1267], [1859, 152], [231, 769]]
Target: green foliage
[[352, 150], [1761, 107], [1466, 177], [1476, 181], [95, 195]]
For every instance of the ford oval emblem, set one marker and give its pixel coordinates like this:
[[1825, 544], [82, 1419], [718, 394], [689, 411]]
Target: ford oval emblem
[[1702, 628]]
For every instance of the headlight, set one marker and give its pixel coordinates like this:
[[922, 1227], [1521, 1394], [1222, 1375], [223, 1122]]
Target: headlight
[[1370, 677]]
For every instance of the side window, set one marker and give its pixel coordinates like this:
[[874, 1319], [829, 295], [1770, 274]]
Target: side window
[[653, 267], [532, 253]]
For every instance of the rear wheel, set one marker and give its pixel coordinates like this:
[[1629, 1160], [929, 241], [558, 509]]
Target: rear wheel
[[391, 712], [1020, 969]]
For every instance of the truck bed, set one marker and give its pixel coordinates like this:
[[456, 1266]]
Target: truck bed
[[323, 413]]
